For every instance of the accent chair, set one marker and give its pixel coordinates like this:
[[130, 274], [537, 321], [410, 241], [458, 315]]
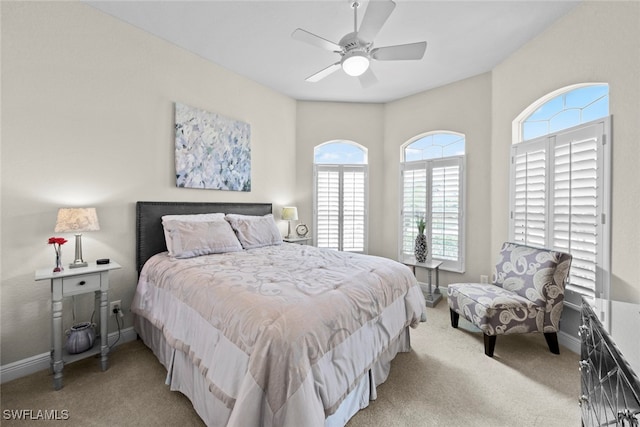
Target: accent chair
[[526, 295]]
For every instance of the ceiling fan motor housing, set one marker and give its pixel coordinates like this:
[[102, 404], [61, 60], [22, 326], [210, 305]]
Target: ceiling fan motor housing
[[352, 42]]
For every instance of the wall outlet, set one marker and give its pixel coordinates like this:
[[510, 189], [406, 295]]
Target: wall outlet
[[115, 305], [484, 278]]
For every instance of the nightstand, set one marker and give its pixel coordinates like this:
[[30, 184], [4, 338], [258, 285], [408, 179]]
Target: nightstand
[[70, 282], [298, 240]]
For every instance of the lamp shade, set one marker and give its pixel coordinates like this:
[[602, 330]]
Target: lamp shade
[[289, 213], [75, 220]]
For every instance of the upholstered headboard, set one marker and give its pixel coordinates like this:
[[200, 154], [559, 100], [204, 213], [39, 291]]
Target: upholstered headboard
[[149, 232]]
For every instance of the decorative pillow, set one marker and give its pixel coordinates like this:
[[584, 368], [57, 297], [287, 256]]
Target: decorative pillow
[[191, 239], [188, 218], [255, 231]]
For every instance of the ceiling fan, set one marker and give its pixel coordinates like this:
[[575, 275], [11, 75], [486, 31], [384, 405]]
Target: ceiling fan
[[356, 49]]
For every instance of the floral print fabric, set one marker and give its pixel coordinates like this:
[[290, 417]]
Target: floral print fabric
[[526, 295]]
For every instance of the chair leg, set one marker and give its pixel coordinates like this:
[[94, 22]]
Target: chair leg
[[489, 344], [552, 342], [454, 318]]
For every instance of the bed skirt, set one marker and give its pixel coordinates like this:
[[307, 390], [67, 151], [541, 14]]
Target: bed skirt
[[186, 378]]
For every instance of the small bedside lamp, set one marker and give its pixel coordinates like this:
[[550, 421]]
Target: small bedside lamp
[[77, 220], [289, 214]]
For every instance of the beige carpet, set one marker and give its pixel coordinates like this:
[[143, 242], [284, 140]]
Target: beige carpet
[[445, 381]]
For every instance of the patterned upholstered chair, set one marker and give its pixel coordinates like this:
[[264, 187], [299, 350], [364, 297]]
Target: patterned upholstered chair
[[526, 295]]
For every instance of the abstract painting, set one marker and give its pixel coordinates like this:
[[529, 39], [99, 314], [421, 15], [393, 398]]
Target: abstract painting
[[212, 151]]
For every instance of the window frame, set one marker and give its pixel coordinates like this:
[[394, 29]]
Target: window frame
[[457, 266], [341, 169]]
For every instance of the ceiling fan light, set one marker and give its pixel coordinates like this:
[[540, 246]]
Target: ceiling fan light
[[355, 63]]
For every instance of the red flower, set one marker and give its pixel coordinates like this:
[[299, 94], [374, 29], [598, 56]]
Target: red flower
[[57, 240]]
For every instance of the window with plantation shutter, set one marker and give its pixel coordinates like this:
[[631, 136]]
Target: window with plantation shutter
[[528, 175], [414, 203], [432, 185], [578, 204], [327, 215], [445, 210], [340, 197], [560, 200], [560, 182], [353, 208]]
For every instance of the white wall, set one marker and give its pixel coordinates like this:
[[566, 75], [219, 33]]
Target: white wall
[[463, 107], [87, 120], [596, 42]]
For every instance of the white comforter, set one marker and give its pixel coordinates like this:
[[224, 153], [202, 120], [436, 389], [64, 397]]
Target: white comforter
[[281, 333]]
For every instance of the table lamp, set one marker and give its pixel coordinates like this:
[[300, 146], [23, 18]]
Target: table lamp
[[77, 220], [289, 214]]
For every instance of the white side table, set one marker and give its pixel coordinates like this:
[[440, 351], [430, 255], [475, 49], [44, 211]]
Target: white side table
[[299, 240], [432, 298], [77, 281]]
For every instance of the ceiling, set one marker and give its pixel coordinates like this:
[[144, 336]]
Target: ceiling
[[253, 39]]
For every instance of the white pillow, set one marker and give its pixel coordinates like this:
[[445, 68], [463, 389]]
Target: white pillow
[[188, 218], [255, 231], [195, 217], [191, 239]]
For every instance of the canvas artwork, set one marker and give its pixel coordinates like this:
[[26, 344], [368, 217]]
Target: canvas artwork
[[212, 151]]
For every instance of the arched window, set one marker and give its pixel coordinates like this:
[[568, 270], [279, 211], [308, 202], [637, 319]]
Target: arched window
[[560, 178], [432, 169], [562, 109], [339, 153], [340, 196], [434, 146]]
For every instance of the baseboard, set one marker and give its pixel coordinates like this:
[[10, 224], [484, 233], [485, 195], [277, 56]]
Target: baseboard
[[569, 341], [30, 365]]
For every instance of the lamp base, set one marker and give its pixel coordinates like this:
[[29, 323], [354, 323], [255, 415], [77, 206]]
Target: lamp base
[[78, 261], [78, 265]]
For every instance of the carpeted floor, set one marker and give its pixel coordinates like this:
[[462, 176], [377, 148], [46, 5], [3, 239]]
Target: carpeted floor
[[446, 380]]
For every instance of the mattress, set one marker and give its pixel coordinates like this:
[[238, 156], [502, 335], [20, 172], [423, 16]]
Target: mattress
[[281, 335]]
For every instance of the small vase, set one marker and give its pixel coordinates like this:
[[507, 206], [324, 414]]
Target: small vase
[[420, 248], [58, 266], [80, 338]]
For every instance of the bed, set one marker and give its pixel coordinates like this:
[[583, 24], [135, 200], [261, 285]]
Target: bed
[[273, 334]]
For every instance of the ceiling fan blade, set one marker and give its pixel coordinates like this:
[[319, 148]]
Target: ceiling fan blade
[[368, 78], [323, 73], [307, 37], [399, 52], [375, 16]]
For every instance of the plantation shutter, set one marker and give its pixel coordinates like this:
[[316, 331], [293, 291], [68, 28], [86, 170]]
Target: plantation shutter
[[577, 203], [414, 202], [341, 200], [558, 200], [446, 209], [353, 209], [327, 227], [529, 201], [432, 189]]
